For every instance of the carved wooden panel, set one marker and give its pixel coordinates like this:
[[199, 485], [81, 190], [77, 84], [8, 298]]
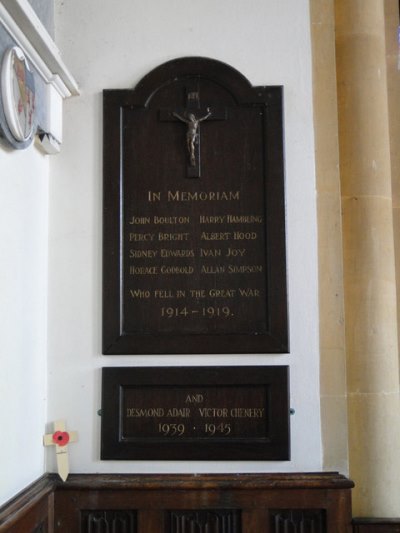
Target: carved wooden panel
[[108, 521], [221, 521], [186, 503], [219, 503], [298, 521]]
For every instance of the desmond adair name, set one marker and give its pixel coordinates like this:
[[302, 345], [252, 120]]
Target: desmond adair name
[[186, 412]]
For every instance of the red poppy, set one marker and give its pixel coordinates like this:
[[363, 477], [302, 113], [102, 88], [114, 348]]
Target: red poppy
[[61, 438]]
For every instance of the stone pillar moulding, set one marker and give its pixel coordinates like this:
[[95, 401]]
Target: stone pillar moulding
[[369, 259]]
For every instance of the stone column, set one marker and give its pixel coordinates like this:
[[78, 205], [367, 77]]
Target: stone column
[[331, 298], [369, 259], [393, 79]]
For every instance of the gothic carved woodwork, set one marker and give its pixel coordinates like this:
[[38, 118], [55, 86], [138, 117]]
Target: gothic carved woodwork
[[298, 521], [108, 521], [204, 522]]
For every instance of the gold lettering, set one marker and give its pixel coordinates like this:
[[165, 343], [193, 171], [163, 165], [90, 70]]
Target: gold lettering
[[194, 398], [213, 412], [230, 219], [222, 293], [173, 196], [171, 220], [210, 252], [197, 293], [139, 254], [249, 293], [151, 412], [212, 219], [244, 236], [153, 196], [141, 237], [139, 220], [174, 412], [202, 196], [160, 293], [244, 219], [245, 269], [206, 236], [143, 271], [236, 252], [213, 269], [176, 253], [250, 412], [173, 236], [139, 293], [176, 270]]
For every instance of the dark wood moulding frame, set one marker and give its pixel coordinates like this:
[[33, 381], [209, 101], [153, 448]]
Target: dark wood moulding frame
[[260, 431], [127, 328]]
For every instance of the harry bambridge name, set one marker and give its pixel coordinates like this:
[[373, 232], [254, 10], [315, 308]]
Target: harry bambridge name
[[193, 196]]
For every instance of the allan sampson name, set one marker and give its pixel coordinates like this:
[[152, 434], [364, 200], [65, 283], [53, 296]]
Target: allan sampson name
[[193, 196]]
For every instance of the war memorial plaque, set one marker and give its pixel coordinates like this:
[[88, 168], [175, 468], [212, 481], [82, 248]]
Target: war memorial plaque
[[203, 413], [194, 222]]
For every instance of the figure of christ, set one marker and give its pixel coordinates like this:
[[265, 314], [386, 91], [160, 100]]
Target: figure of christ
[[192, 132]]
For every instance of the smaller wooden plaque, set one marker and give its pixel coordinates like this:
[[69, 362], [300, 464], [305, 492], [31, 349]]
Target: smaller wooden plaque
[[198, 413]]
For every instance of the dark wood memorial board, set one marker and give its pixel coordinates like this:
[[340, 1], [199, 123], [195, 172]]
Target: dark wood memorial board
[[194, 232], [202, 413]]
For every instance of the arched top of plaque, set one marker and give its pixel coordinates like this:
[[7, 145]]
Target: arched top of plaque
[[194, 214], [205, 69]]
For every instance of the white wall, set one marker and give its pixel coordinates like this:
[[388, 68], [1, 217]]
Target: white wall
[[23, 317], [112, 45]]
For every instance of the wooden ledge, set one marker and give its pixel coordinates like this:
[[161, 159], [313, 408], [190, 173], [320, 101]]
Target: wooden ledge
[[329, 480]]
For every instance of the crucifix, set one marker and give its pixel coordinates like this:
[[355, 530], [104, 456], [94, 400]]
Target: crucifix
[[60, 439], [192, 115]]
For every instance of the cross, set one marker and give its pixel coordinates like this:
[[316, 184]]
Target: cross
[[60, 439], [192, 115]]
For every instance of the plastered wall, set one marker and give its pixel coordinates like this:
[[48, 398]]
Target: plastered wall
[[23, 302], [112, 45], [23, 317]]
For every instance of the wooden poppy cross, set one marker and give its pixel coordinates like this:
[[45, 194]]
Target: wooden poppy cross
[[60, 439]]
